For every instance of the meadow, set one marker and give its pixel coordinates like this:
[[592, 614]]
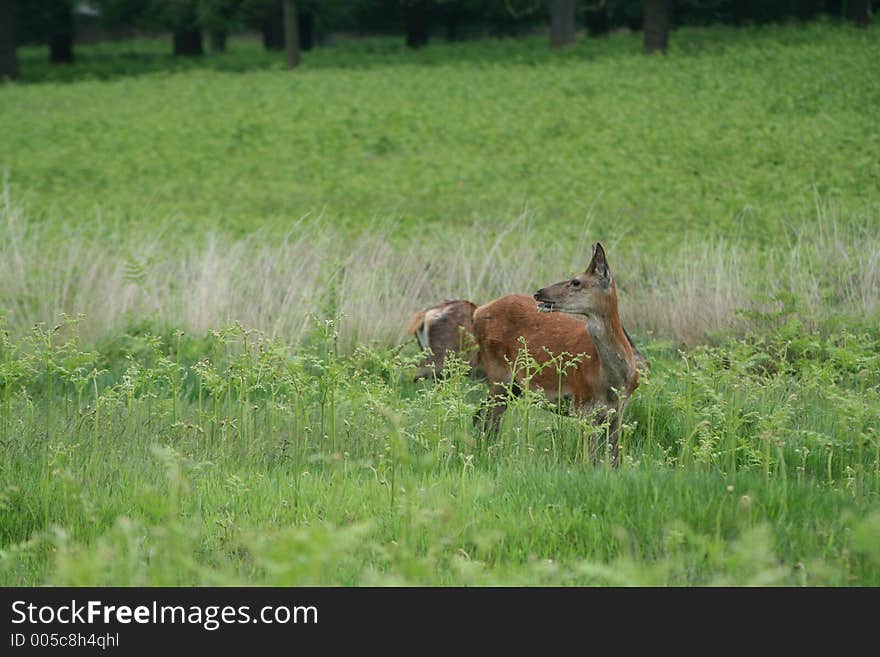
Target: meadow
[[206, 271]]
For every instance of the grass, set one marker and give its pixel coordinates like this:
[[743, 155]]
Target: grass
[[730, 135], [826, 272], [207, 268], [757, 462]]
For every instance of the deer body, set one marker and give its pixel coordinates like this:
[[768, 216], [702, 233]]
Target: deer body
[[599, 382], [500, 324]]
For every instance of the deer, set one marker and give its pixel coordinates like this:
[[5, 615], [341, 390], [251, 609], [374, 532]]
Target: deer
[[444, 330], [601, 370]]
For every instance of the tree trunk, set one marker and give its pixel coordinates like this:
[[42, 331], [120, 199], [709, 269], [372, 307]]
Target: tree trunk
[[562, 23], [291, 34], [452, 19], [834, 7], [806, 10], [859, 12], [306, 30], [8, 54], [416, 24], [658, 21], [218, 40], [272, 28], [188, 41], [743, 12], [596, 21], [61, 34], [61, 49]]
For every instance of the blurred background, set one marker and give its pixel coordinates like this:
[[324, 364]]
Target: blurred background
[[200, 26]]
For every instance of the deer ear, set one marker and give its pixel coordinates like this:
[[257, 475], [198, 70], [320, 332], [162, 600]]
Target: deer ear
[[599, 265]]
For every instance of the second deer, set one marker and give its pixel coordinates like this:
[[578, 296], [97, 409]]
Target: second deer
[[442, 331]]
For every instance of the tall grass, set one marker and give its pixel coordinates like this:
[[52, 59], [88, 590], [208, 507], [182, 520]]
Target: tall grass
[[235, 458], [689, 294]]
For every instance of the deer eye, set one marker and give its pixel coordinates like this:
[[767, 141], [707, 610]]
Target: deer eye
[[575, 282]]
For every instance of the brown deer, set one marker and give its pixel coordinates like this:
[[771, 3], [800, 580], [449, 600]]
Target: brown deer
[[444, 330], [599, 383]]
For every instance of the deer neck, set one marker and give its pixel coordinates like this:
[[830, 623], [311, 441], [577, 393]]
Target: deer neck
[[615, 354]]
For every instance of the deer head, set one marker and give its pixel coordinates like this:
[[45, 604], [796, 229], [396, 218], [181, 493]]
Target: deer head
[[591, 293]]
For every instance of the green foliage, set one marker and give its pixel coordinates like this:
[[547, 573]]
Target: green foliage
[[172, 14], [37, 19], [210, 14], [231, 459], [117, 13], [220, 15]]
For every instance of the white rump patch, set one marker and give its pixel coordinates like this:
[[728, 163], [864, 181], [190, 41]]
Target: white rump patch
[[422, 335]]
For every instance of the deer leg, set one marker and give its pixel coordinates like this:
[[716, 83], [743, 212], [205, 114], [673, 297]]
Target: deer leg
[[599, 423], [587, 437], [613, 427], [488, 418], [428, 368], [594, 447]]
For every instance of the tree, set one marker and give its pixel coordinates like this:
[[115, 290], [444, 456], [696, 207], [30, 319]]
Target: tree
[[182, 18], [657, 23], [187, 41], [291, 34], [268, 17], [217, 40], [451, 16], [743, 12], [806, 10], [8, 53], [562, 23], [49, 22], [416, 23], [859, 12], [60, 27], [272, 27], [596, 19], [123, 13], [219, 18], [306, 22]]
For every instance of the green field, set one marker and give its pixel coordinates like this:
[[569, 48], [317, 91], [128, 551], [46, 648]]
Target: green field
[[206, 270], [736, 130]]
